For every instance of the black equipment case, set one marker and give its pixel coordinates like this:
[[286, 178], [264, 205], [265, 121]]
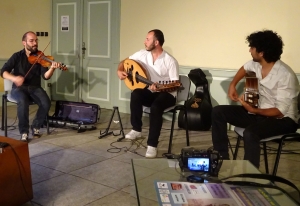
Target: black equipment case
[[199, 106], [78, 115]]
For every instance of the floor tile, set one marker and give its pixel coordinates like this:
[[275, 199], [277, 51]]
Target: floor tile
[[110, 172], [68, 190], [66, 160]]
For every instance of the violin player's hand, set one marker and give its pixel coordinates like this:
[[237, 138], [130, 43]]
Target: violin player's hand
[[55, 65], [18, 80]]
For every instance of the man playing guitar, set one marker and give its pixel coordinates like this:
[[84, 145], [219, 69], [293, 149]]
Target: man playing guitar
[[160, 66], [277, 111]]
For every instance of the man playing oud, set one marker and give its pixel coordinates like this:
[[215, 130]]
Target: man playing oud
[[161, 66], [277, 111]]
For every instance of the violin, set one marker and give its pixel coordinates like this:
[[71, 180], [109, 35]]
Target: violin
[[46, 61]]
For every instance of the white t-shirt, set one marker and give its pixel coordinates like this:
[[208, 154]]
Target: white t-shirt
[[278, 89], [165, 67]]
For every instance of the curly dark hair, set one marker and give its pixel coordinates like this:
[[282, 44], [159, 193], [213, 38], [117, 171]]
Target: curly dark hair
[[268, 42], [158, 35]]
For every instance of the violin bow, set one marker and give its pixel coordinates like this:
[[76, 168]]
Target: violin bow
[[36, 60]]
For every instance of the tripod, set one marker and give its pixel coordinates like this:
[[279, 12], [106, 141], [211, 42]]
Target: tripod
[[106, 132]]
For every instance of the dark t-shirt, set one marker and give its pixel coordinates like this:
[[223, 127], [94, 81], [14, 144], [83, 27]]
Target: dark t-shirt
[[19, 65]]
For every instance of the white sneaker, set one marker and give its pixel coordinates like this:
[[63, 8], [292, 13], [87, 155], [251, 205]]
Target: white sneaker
[[151, 152], [24, 137], [132, 135]]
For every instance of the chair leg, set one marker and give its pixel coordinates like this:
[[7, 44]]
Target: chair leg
[[171, 132], [47, 124], [230, 146], [5, 116], [277, 158], [186, 129], [237, 147], [266, 157], [2, 117]]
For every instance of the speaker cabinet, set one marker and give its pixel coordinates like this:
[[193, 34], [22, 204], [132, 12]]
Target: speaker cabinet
[[15, 173]]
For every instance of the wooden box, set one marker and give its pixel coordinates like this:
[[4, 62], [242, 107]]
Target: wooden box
[[15, 173]]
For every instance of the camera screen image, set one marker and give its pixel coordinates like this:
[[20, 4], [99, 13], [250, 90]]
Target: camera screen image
[[198, 164]]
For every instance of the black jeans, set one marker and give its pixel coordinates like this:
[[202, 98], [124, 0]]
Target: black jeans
[[257, 127], [24, 95], [158, 102]]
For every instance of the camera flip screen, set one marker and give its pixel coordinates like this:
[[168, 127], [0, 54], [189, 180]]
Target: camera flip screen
[[198, 164]]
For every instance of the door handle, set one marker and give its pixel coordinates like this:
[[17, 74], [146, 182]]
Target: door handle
[[83, 50]]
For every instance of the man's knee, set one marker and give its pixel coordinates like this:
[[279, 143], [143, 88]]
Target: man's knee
[[217, 111], [135, 94], [250, 135], [156, 109]]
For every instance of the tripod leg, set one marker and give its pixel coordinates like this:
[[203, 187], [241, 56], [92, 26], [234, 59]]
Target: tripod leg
[[106, 131], [123, 136]]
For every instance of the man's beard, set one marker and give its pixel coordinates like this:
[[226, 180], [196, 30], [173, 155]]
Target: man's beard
[[32, 49], [151, 47]]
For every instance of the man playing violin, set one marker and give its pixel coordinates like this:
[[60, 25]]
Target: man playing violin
[[161, 66], [277, 111], [26, 87]]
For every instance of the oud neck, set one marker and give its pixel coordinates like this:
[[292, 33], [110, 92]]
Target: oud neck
[[143, 79]]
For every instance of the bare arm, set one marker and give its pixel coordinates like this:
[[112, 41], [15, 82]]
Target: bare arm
[[270, 112], [232, 93], [50, 71]]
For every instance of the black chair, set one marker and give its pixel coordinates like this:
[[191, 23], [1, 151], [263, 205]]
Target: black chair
[[280, 139], [6, 97], [182, 96]]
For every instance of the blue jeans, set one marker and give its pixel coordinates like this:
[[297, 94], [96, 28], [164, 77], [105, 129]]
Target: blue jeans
[[25, 95]]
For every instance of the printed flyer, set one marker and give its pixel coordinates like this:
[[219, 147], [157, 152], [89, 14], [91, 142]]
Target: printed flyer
[[210, 194]]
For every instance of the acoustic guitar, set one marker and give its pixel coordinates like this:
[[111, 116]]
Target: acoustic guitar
[[251, 94], [137, 78]]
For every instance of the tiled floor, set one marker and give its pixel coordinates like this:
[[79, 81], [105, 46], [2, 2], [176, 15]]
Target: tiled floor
[[71, 168]]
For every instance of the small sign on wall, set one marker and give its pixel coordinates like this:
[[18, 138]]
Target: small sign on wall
[[65, 23]]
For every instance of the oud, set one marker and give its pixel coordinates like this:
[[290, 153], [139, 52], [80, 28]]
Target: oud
[[137, 78], [251, 94]]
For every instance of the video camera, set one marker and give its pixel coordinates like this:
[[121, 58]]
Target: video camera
[[206, 161]]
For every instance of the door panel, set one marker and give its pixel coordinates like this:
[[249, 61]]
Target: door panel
[[90, 49], [99, 61], [65, 48]]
